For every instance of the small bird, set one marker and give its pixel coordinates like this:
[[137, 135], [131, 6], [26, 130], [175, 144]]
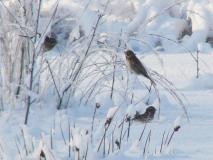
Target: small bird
[[42, 155], [136, 66], [49, 43], [146, 117]]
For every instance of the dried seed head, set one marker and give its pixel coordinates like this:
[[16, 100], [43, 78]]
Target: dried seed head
[[176, 128], [97, 105], [128, 118], [108, 121]]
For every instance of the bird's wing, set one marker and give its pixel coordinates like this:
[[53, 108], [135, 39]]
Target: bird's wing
[[140, 67]]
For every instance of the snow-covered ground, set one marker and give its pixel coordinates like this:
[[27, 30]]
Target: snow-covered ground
[[97, 90]]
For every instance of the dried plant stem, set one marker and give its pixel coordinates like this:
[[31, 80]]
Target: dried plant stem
[[33, 147], [168, 86], [62, 133], [109, 147], [25, 145], [197, 63], [37, 21], [167, 136], [51, 139], [142, 133], [19, 152], [86, 151], [21, 70], [81, 64], [113, 137], [146, 143], [176, 128], [104, 148], [132, 97], [69, 127], [93, 119], [128, 131], [124, 133], [30, 88], [103, 138], [51, 73], [122, 126], [159, 100], [31, 68], [161, 146], [113, 77]]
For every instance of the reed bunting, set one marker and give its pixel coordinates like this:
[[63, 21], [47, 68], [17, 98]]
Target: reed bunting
[[136, 66], [146, 117]]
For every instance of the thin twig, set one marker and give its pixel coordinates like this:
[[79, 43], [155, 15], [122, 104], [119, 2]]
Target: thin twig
[[51, 73], [161, 146], [84, 58], [19, 152], [113, 77], [198, 63], [122, 126], [69, 127], [37, 20], [62, 133], [146, 143], [25, 145], [142, 132]]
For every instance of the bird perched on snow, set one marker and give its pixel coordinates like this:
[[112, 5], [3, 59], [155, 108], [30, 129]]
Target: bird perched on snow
[[136, 66], [147, 116]]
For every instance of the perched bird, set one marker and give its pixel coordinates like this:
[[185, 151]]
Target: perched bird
[[42, 155], [49, 43], [136, 66], [147, 116]]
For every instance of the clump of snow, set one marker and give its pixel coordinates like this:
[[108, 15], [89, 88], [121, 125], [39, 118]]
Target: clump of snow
[[178, 121], [204, 47], [169, 23], [200, 13], [127, 11], [131, 111], [111, 112], [42, 152]]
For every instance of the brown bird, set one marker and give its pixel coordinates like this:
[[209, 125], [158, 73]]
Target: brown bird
[[136, 66], [147, 116], [49, 43], [42, 155]]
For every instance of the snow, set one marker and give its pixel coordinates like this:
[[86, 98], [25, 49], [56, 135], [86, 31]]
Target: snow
[[166, 35], [201, 17], [111, 112]]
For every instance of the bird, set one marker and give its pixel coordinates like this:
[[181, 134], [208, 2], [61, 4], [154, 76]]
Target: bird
[[49, 43], [146, 117], [136, 66], [42, 155]]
